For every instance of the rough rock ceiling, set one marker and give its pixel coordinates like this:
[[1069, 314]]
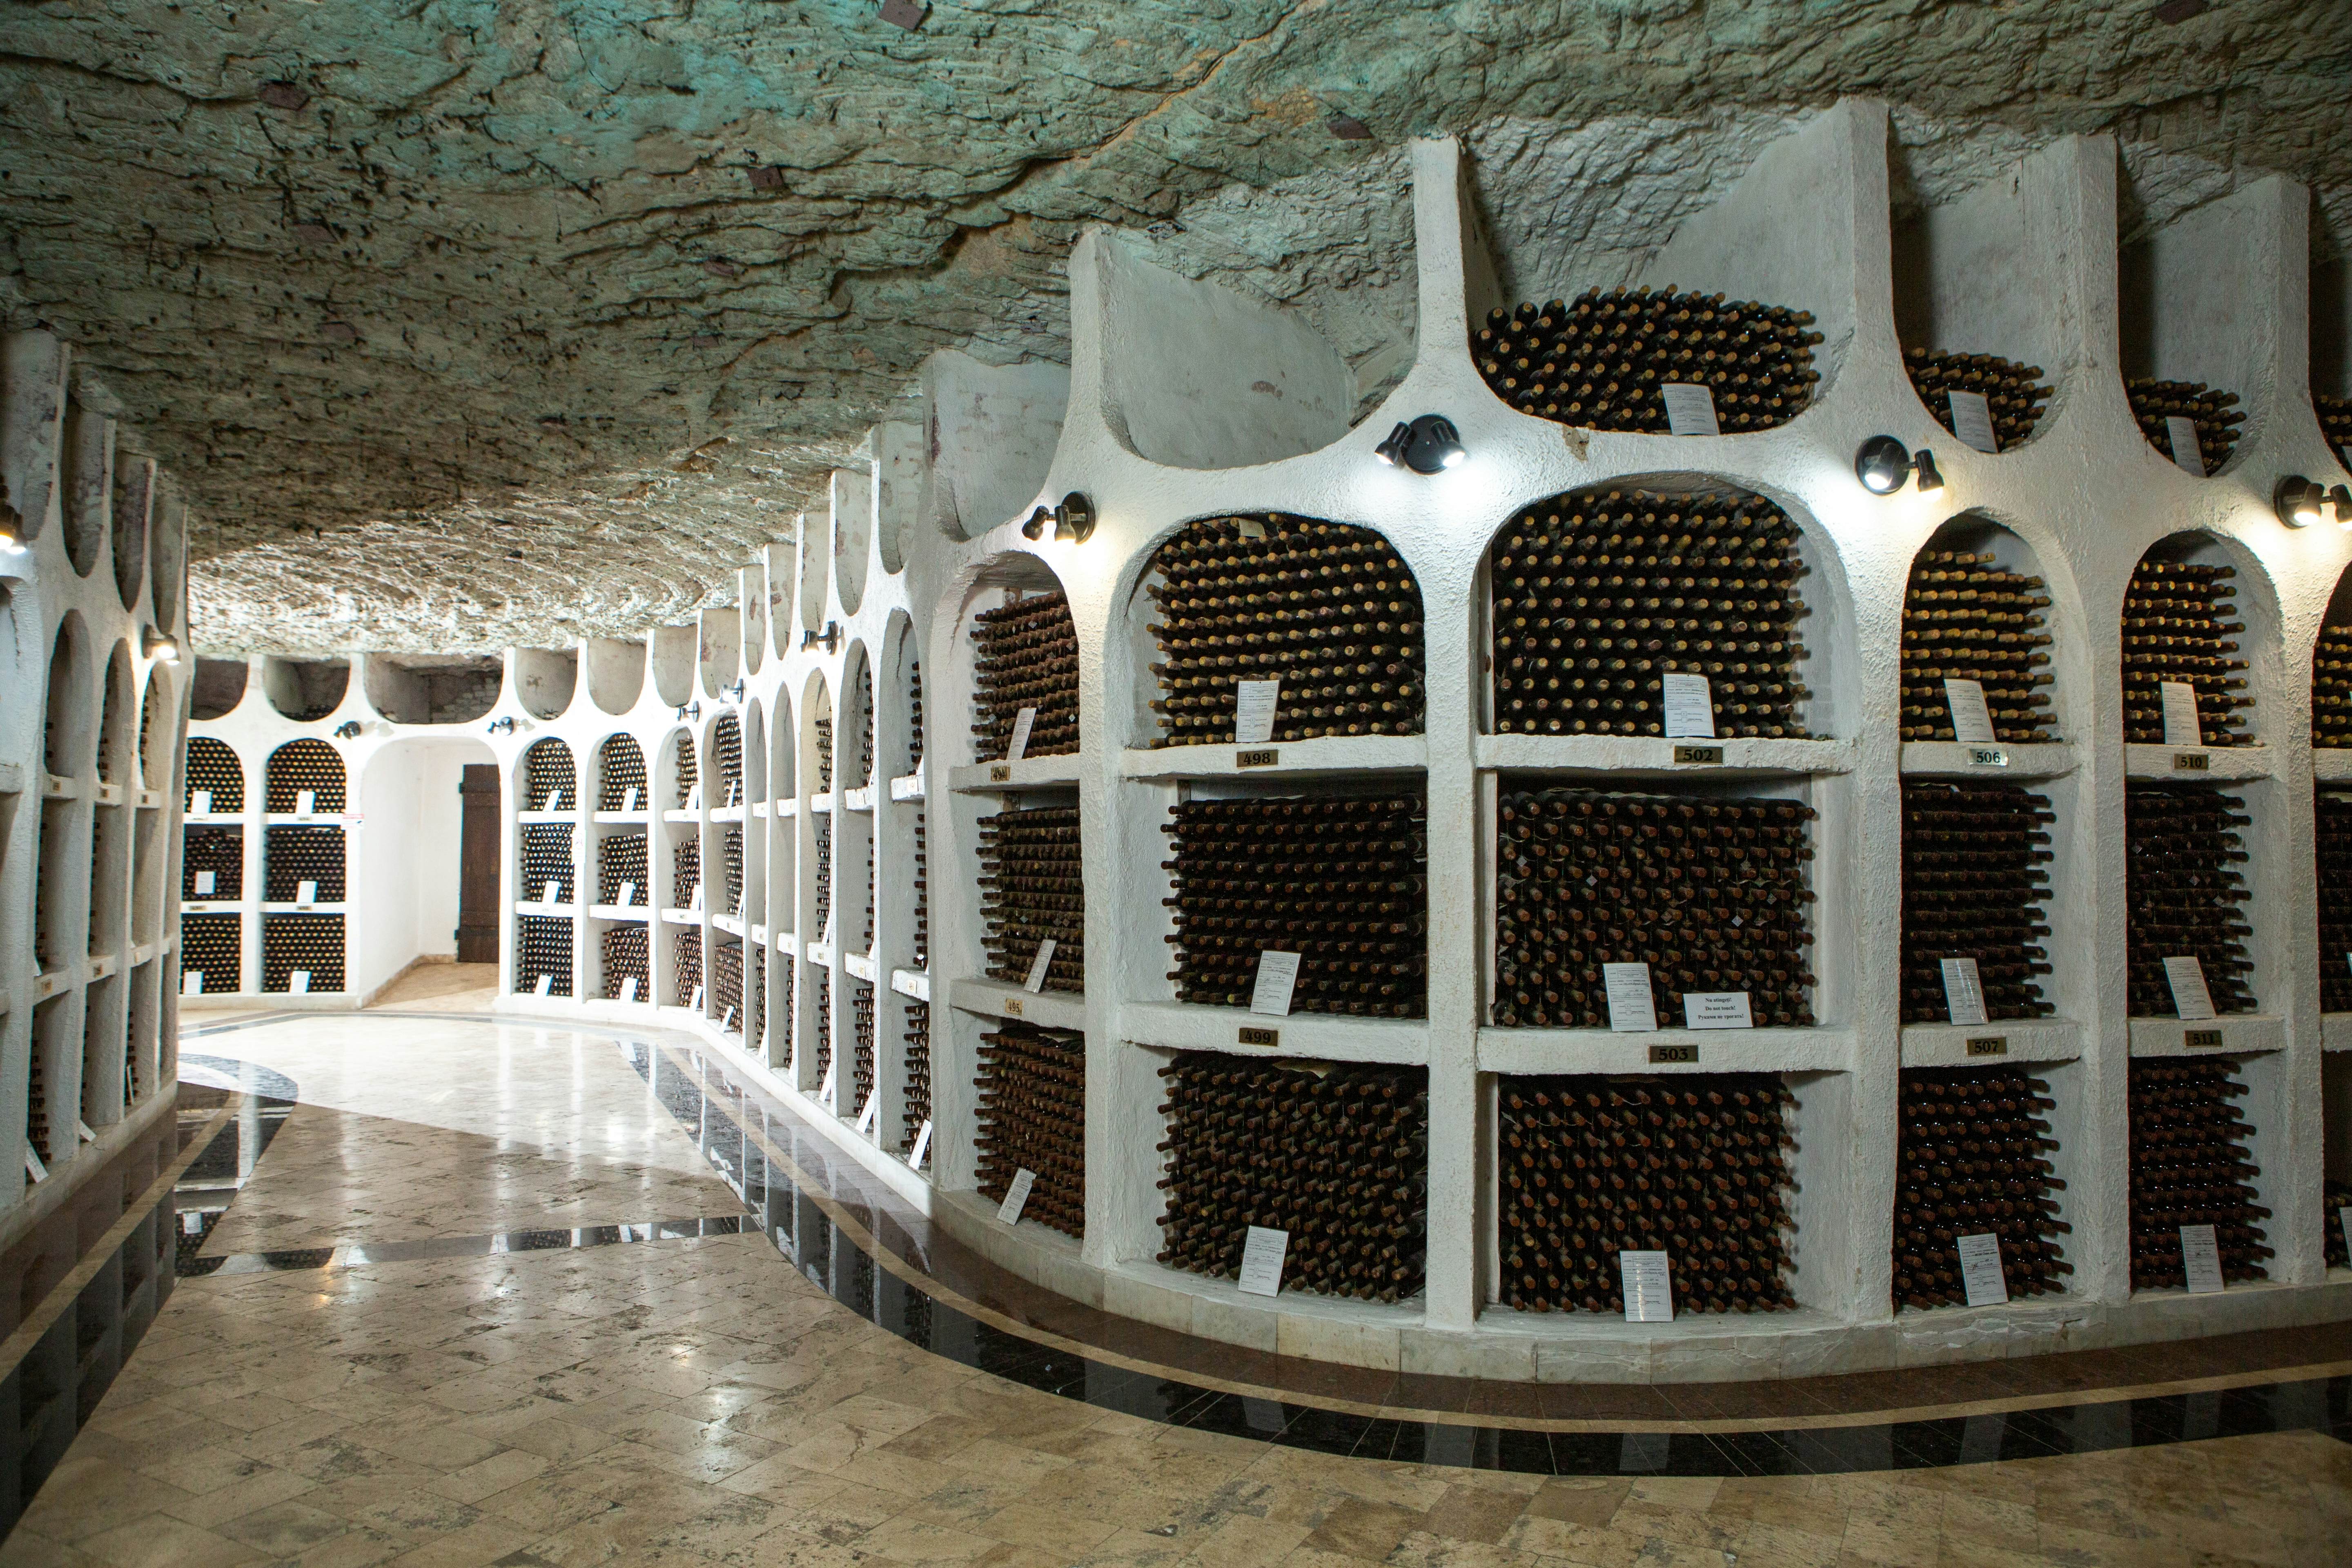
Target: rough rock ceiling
[[467, 323]]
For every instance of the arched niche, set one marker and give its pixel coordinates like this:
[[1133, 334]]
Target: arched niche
[[432, 689], [134, 500], [117, 758], [159, 728], [1977, 607], [679, 768], [672, 664], [85, 453], [2177, 579], [812, 538], [817, 737], [219, 687], [544, 679], [2331, 670], [305, 764], [718, 649], [621, 768], [852, 496], [213, 767], [1212, 567], [998, 585], [752, 597], [723, 761], [306, 689], [167, 550], [853, 739], [550, 779], [899, 717], [755, 751], [616, 674], [1575, 654], [68, 740], [783, 749]]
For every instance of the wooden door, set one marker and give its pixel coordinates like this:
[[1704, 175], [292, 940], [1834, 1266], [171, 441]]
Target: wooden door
[[478, 866]]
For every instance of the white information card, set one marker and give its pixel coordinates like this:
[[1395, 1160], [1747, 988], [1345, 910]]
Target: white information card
[[1254, 705], [2200, 1259], [629, 988], [1972, 719], [922, 1145], [1690, 409], [1649, 1287], [200, 803], [192, 983], [554, 801], [628, 896], [696, 1004], [1017, 1196], [2343, 1216], [865, 1117], [1023, 722], [726, 1019], [298, 982], [2180, 724], [2190, 1000], [629, 801], [1690, 708], [1262, 1256], [1632, 1010], [205, 882], [1963, 990], [306, 801], [1042, 961], [545, 982], [548, 892], [2182, 431], [1980, 1272], [306, 893], [1716, 1010], [1278, 976], [1972, 421]]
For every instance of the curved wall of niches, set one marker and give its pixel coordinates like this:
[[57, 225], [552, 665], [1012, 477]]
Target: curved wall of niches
[[2077, 504]]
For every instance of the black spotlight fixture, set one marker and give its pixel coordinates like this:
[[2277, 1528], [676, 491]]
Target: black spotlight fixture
[[1922, 467], [1429, 445], [1882, 465], [2340, 498], [2298, 501], [830, 638], [734, 693], [689, 712], [500, 726], [1074, 520], [349, 730]]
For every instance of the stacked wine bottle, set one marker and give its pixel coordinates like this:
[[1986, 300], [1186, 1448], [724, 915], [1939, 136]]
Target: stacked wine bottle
[[1601, 361], [2332, 825], [730, 851], [686, 961], [546, 860], [1336, 1156], [861, 712], [626, 953], [213, 768], [2189, 1166], [219, 851], [1328, 612], [1026, 658], [1966, 619], [1600, 595], [726, 760], [2013, 393], [1032, 1086], [914, 713], [687, 776], [543, 947], [293, 856], [2155, 403], [212, 946], [1340, 880], [684, 871], [916, 1097], [621, 860], [2182, 896], [821, 837], [304, 765], [727, 982], [821, 1021], [861, 1062], [1972, 1147], [2334, 1198], [923, 890], [2331, 687], [548, 778], [1032, 890], [1708, 891], [1973, 887], [824, 728], [1693, 1166], [621, 770], [781, 1052], [309, 943], [2176, 629], [2336, 424], [755, 998]]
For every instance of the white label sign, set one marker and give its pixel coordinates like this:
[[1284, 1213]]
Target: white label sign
[[629, 801], [1278, 976], [824, 1092], [548, 891], [1689, 707], [298, 982], [306, 893], [1972, 719], [1690, 409], [1648, 1286], [2190, 1000], [200, 803], [1980, 1272], [922, 1146], [2182, 431], [629, 988], [306, 801], [694, 897], [2343, 1216], [865, 1117], [693, 798], [546, 982], [1716, 1010], [1632, 1008], [1262, 1256], [554, 798], [192, 983], [1252, 528], [1972, 421], [1017, 1196], [2200, 1259], [1254, 705], [1039, 965], [205, 882], [1963, 990], [727, 1019], [2180, 724], [697, 1003], [627, 897], [1023, 722]]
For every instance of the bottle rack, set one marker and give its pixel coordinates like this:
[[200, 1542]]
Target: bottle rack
[[913, 547]]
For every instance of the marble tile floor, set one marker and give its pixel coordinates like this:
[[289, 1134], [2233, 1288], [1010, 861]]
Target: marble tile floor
[[441, 988], [700, 1400]]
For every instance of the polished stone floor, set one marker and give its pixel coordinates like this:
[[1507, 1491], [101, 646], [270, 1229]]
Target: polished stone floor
[[442, 1357]]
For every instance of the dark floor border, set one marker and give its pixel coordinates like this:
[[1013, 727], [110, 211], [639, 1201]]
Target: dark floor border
[[810, 1221], [353, 1254]]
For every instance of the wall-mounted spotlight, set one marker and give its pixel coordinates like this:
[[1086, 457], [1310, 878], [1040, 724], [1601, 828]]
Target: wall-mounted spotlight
[[12, 530], [1883, 463], [1074, 520], [349, 730], [2340, 498], [2298, 501], [687, 712], [733, 693], [1429, 445], [155, 644], [501, 726]]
